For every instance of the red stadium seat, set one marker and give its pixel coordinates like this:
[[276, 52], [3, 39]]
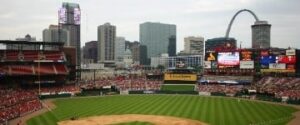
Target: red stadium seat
[[21, 70]]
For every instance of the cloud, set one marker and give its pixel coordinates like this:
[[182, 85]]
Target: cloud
[[207, 18]]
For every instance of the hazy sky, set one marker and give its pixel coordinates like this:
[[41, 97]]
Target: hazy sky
[[207, 18]]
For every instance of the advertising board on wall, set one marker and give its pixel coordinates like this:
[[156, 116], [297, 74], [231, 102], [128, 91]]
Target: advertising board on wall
[[246, 55], [277, 70], [210, 56], [277, 66], [266, 60], [62, 15], [180, 77], [207, 64], [290, 52], [287, 59], [246, 64]]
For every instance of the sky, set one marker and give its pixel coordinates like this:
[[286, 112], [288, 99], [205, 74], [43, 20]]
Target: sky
[[206, 18]]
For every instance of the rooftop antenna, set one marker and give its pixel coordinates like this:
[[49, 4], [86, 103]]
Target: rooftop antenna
[[241, 44]]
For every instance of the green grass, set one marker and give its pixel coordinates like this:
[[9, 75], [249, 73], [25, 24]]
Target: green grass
[[178, 87], [134, 123], [212, 110]]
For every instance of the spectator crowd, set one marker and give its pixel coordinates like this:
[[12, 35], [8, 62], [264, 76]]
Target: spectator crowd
[[280, 87], [17, 102], [122, 83]]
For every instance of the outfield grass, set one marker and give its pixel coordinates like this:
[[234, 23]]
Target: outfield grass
[[177, 87], [212, 110]]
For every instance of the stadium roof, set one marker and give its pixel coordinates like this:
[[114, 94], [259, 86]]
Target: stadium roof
[[32, 43]]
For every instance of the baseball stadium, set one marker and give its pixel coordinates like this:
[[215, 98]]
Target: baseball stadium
[[237, 87], [42, 84]]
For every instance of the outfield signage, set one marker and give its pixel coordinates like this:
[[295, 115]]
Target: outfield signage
[[278, 70], [246, 65], [180, 77], [277, 66], [207, 64], [290, 52]]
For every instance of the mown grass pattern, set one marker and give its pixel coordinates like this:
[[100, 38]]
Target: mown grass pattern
[[178, 87], [212, 110]]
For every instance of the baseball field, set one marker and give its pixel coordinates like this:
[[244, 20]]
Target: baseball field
[[210, 110]]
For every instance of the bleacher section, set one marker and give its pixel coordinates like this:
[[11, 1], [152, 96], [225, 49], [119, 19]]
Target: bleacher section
[[226, 79]]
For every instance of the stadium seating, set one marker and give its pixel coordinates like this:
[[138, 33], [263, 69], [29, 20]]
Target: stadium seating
[[122, 84], [44, 69], [280, 86], [61, 69], [30, 55], [21, 69], [17, 102], [53, 55]]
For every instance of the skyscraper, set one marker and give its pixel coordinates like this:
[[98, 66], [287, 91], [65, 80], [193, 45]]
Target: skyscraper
[[106, 43], [156, 37], [172, 46], [194, 45], [90, 51], [119, 48], [69, 19], [54, 34], [261, 32]]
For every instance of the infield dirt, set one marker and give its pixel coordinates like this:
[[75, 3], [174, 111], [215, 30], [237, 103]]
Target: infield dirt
[[115, 119]]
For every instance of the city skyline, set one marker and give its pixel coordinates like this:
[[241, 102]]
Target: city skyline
[[208, 19]]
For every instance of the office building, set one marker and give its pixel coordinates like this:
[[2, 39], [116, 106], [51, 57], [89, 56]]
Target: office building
[[261, 32], [194, 45], [158, 38], [119, 48], [90, 51], [106, 43], [56, 34], [69, 19]]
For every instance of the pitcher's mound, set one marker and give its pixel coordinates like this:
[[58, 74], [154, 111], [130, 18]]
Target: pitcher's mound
[[115, 119]]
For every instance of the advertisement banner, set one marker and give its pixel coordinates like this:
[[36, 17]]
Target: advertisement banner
[[277, 66], [180, 77], [290, 66], [287, 59], [246, 55], [290, 52], [207, 64], [210, 56], [246, 64], [62, 15], [277, 70]]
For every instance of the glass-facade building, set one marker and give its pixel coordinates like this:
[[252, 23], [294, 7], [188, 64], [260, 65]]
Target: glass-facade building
[[156, 37]]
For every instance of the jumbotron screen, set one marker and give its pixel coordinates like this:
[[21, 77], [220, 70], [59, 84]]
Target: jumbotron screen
[[228, 58]]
